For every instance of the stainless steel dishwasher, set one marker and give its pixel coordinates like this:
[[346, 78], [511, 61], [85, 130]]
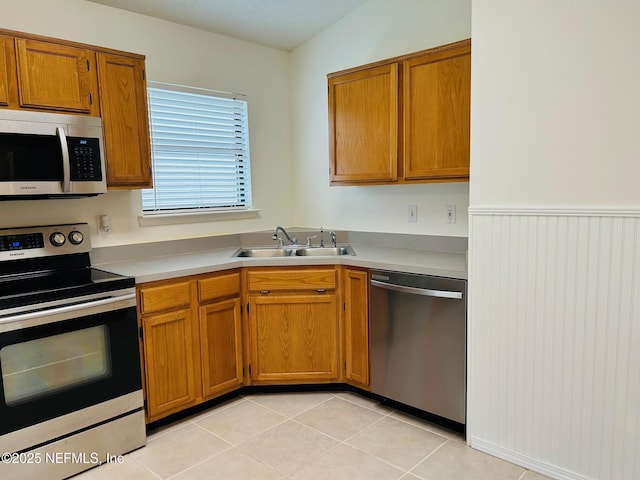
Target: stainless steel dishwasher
[[418, 341]]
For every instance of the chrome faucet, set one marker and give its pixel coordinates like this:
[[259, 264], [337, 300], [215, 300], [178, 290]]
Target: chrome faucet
[[333, 239], [292, 241]]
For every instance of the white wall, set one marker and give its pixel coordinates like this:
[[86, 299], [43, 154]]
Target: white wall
[[554, 257], [555, 103], [288, 114], [175, 54], [377, 30]]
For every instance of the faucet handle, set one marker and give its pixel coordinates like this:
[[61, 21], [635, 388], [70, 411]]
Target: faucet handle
[[309, 240]]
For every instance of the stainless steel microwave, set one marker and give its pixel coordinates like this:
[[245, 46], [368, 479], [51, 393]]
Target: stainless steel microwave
[[45, 155]]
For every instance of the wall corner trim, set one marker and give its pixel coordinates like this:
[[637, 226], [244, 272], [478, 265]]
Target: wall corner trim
[[555, 211]]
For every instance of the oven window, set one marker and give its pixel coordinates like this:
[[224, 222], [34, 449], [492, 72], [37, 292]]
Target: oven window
[[40, 367]]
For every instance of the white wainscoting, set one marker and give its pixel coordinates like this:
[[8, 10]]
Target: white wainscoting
[[554, 340]]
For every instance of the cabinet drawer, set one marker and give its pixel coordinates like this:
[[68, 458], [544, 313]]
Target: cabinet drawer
[[312, 279], [219, 286], [163, 297]]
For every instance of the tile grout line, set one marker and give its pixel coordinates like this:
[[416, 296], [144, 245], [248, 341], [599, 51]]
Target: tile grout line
[[191, 467], [384, 415], [299, 413], [286, 418], [340, 442], [344, 442], [427, 458], [230, 446], [145, 467], [181, 423]]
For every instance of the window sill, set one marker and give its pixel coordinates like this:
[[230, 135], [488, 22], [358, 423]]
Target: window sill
[[195, 217]]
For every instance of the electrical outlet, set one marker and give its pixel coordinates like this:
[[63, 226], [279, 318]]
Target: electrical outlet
[[412, 213], [450, 214]]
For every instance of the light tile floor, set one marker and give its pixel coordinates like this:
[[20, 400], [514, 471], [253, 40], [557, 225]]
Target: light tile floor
[[307, 436]]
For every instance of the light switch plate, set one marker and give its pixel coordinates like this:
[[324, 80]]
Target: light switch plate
[[412, 213], [450, 214]]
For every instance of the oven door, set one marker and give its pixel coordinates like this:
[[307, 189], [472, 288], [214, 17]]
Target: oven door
[[66, 358]]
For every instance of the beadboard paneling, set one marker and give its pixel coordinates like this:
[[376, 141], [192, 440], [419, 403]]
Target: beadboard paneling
[[554, 340]]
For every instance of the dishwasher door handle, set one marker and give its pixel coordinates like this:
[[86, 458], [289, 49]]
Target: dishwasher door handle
[[417, 291]]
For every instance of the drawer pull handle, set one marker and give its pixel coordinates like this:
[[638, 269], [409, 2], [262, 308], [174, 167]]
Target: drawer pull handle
[[321, 290], [265, 292]]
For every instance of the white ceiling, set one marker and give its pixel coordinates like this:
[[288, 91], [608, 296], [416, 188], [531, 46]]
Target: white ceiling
[[282, 24]]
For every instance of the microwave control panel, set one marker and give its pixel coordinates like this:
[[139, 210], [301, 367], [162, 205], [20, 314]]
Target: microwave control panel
[[84, 156]]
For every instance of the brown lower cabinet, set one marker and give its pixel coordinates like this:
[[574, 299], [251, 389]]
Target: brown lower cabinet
[[191, 341], [220, 347], [301, 325], [169, 362], [356, 326], [293, 325]]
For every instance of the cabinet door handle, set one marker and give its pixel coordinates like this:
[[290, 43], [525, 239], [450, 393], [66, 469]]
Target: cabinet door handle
[[265, 292]]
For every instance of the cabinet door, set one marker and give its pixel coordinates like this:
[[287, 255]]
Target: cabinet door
[[294, 338], [221, 347], [169, 357], [125, 120], [55, 77], [363, 125], [356, 298], [437, 93], [4, 74]]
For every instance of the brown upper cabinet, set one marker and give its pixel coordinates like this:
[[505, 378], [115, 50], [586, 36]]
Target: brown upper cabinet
[[363, 111], [123, 101], [402, 120], [48, 74], [56, 77], [4, 76]]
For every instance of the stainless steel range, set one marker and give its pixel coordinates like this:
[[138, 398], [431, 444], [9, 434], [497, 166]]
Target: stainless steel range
[[70, 383]]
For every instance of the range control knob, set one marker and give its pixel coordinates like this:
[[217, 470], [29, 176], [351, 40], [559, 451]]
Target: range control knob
[[57, 239], [76, 237]]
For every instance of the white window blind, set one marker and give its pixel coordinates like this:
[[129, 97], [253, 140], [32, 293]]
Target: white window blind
[[200, 148]]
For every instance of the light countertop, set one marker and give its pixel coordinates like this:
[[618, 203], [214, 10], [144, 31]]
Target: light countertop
[[427, 262]]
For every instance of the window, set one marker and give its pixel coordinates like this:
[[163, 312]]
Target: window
[[200, 148]]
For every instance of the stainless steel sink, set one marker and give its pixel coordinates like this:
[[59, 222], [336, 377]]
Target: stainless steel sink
[[324, 251], [298, 251], [264, 252]]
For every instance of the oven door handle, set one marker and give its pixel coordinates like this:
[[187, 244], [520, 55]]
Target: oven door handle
[[417, 291], [51, 315]]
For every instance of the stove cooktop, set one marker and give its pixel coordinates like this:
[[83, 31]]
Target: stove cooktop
[[49, 286], [42, 264]]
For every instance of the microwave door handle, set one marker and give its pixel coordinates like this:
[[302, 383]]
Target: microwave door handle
[[66, 165]]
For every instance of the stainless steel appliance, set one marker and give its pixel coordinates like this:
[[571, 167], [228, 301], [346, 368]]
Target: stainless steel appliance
[[46, 155], [418, 342], [70, 382]]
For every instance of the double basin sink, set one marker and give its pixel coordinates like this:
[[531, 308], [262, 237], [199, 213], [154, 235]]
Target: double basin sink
[[294, 251]]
